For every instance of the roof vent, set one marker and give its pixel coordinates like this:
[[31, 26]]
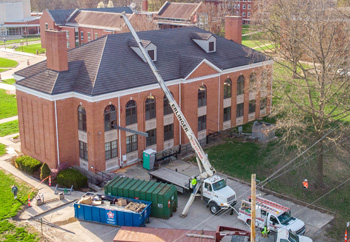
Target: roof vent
[[151, 49], [206, 41]]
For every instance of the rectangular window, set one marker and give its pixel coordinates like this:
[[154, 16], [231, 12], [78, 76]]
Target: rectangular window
[[166, 107], [202, 98], [151, 54], [227, 114], [89, 36], [240, 87], [252, 106], [168, 132], [240, 110], [243, 14], [150, 111], [248, 7], [46, 26], [131, 115], [67, 44], [67, 34], [81, 35], [76, 38], [96, 35], [263, 103], [131, 143], [243, 6], [111, 149], [202, 122], [248, 14], [211, 46], [152, 137], [83, 150]]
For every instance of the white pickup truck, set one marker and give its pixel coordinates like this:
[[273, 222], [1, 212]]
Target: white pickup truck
[[271, 214], [283, 235]]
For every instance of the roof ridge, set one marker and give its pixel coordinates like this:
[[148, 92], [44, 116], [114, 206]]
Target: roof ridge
[[99, 64]]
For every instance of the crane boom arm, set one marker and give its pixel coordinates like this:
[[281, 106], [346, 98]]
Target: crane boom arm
[[174, 106]]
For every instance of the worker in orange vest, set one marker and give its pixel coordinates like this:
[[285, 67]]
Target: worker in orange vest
[[305, 184]]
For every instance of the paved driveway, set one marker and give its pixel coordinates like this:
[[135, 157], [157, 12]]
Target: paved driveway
[[199, 216]]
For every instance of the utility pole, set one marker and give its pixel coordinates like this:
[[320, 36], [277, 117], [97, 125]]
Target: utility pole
[[253, 208]]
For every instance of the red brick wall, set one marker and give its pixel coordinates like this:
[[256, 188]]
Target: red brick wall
[[71, 39], [45, 18], [233, 28], [57, 57], [36, 117], [39, 135]]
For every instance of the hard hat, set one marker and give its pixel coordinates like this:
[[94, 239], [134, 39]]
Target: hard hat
[[305, 180]]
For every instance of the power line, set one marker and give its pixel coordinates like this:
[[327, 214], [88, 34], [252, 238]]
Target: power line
[[266, 181]]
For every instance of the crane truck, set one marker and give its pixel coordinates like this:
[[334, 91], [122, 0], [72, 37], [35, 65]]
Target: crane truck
[[211, 186]]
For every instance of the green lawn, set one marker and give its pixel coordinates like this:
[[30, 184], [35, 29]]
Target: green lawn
[[19, 40], [8, 105], [2, 70], [31, 48], [7, 63], [10, 207], [9, 128], [9, 81], [2, 149]]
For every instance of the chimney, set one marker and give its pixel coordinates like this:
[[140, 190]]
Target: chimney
[[233, 28], [145, 5], [56, 50]]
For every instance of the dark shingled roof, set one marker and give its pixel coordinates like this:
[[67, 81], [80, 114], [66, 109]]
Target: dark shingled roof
[[60, 16], [109, 64]]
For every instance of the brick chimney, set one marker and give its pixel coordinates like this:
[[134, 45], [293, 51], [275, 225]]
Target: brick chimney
[[145, 5], [56, 50], [233, 28]]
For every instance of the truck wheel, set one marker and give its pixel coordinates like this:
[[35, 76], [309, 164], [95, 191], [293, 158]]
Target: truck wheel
[[214, 209]]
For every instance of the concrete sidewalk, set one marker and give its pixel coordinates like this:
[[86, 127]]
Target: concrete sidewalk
[[5, 120]]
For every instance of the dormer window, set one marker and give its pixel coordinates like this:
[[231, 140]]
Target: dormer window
[[211, 46], [206, 41], [151, 54], [151, 49]]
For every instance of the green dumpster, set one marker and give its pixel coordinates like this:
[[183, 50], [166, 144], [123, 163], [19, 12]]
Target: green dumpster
[[163, 196]]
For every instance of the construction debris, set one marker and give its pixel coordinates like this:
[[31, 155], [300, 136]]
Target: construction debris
[[136, 207]]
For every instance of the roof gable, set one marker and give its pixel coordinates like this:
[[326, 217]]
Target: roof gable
[[203, 69], [174, 10]]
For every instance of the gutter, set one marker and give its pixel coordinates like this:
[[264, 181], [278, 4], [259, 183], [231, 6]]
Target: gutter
[[58, 148]]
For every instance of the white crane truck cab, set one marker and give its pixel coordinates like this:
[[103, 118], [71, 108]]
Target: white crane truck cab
[[283, 235], [271, 214], [217, 194]]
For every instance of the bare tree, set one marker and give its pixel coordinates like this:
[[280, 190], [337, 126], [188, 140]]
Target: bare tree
[[141, 22], [312, 86], [212, 17]]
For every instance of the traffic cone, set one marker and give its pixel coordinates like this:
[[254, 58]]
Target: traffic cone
[[49, 181], [346, 236], [29, 201]]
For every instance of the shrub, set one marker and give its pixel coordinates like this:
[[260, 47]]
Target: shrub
[[69, 177], [44, 171], [28, 164]]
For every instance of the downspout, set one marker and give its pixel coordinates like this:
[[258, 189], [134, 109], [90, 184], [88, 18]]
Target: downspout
[[58, 148], [219, 103], [119, 137], [180, 108]]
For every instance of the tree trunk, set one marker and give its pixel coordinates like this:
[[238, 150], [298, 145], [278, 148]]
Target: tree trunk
[[319, 175]]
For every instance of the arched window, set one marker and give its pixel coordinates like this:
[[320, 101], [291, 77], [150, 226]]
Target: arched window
[[240, 85], [227, 88], [252, 82], [150, 107], [264, 80], [81, 118], [202, 96], [166, 107], [110, 117], [131, 112]]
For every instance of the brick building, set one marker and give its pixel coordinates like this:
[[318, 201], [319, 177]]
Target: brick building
[[83, 25], [245, 9], [68, 104], [177, 14]]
